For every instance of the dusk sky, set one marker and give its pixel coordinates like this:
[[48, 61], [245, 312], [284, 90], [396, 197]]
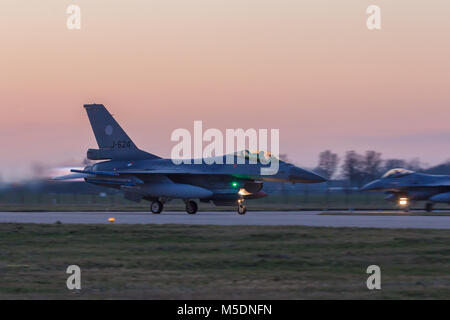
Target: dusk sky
[[309, 68]]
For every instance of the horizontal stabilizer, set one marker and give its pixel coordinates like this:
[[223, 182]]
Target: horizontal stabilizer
[[98, 173], [73, 176]]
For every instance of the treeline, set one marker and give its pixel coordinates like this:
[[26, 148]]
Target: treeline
[[358, 169]]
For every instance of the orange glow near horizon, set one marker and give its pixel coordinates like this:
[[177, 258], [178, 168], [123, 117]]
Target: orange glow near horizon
[[309, 68]]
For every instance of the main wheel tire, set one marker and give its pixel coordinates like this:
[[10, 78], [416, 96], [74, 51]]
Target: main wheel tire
[[242, 209], [156, 207], [429, 207], [191, 207]]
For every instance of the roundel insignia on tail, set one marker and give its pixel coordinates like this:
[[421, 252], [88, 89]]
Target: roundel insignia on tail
[[109, 129]]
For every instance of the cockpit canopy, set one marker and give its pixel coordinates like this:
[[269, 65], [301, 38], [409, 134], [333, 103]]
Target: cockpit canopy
[[255, 155], [397, 173]]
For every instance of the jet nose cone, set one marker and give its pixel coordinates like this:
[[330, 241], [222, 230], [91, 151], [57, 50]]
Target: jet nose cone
[[301, 175], [374, 185]]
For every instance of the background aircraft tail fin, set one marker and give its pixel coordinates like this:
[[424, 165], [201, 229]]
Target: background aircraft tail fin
[[112, 140]]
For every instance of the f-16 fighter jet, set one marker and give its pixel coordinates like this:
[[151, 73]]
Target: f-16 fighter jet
[[403, 186], [144, 176]]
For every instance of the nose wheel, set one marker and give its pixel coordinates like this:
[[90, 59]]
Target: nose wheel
[[191, 207], [429, 207], [156, 207], [241, 208]]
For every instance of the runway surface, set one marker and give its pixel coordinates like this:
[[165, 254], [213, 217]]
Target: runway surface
[[261, 218]]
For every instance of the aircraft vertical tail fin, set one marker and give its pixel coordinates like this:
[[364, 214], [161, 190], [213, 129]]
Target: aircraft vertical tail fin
[[112, 140]]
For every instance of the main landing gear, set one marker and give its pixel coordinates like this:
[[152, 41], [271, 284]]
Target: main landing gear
[[429, 207], [156, 207], [191, 207], [241, 208]]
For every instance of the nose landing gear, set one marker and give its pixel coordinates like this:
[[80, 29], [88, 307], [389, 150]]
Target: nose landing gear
[[429, 207], [241, 208]]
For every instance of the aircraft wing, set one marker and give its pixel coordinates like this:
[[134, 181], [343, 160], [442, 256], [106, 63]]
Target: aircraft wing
[[161, 171], [167, 171]]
